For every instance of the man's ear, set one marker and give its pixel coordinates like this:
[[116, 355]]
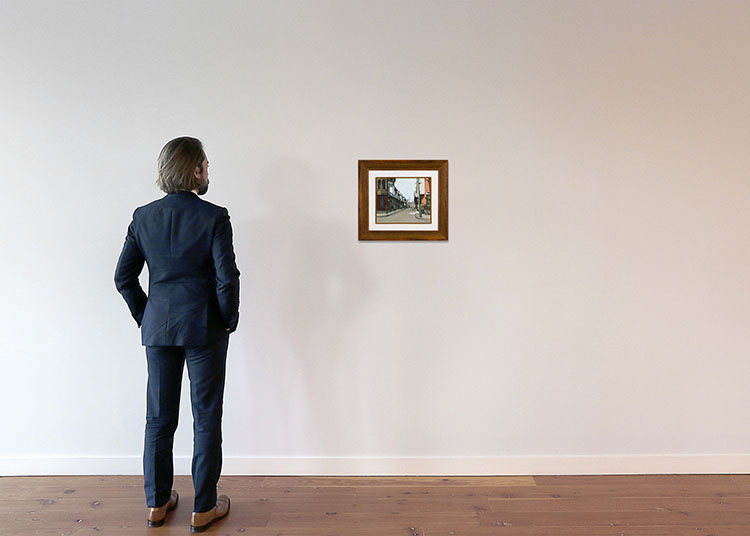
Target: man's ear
[[197, 172]]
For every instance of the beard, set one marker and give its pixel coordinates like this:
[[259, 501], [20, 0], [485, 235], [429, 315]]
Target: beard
[[203, 188]]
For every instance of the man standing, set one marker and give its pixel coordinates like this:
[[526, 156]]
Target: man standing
[[191, 308]]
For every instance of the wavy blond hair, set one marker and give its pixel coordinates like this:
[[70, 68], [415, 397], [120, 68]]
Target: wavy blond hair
[[177, 162]]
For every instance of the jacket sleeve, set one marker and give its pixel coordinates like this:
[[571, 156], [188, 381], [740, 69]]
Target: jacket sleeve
[[227, 274], [129, 267]]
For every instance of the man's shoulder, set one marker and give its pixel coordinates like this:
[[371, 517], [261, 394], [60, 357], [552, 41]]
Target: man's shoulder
[[143, 210], [211, 206], [150, 206]]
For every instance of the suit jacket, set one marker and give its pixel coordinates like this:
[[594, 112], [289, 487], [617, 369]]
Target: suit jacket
[[194, 284]]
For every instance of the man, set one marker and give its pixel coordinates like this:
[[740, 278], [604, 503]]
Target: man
[[191, 308]]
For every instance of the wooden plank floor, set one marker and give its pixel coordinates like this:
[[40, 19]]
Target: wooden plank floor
[[639, 505]]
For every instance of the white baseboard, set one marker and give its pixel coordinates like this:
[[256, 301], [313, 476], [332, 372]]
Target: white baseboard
[[390, 466]]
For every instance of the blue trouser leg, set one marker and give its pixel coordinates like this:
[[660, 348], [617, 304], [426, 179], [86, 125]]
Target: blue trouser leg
[[165, 364], [207, 371]]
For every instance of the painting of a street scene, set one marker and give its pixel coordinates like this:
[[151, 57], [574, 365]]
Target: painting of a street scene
[[403, 200]]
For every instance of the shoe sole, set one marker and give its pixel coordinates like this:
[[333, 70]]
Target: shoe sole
[[154, 524], [202, 528]]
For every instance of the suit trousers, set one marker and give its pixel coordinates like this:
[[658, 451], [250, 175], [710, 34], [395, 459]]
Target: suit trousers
[[207, 372]]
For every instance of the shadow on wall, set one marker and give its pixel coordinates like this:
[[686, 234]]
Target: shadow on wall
[[306, 292]]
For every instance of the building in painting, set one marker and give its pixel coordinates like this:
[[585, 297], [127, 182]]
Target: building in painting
[[388, 198]]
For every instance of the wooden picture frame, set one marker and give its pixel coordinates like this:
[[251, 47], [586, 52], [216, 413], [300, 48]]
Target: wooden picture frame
[[403, 200]]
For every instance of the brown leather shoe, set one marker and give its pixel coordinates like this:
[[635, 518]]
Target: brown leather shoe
[[156, 516], [202, 520]]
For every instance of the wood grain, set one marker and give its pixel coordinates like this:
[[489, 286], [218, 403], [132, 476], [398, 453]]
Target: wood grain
[[627, 505]]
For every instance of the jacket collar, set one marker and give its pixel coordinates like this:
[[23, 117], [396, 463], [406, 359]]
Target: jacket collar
[[183, 192]]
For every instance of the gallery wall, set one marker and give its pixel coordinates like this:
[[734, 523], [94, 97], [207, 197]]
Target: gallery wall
[[589, 312]]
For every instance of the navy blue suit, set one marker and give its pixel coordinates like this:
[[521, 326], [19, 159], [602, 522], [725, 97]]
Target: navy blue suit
[[194, 285], [191, 307]]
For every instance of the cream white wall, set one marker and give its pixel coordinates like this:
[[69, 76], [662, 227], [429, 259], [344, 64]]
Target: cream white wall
[[590, 312]]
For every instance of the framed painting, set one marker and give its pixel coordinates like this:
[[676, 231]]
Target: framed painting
[[403, 200]]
